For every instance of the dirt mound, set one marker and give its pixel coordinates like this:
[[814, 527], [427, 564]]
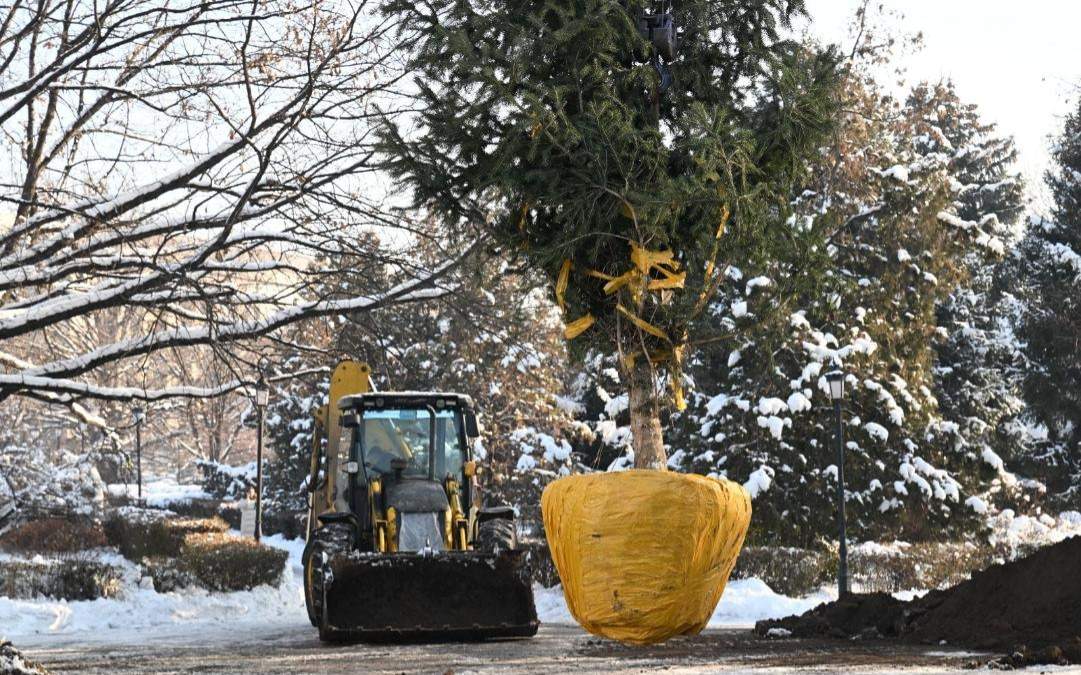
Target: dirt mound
[[874, 615], [1034, 601]]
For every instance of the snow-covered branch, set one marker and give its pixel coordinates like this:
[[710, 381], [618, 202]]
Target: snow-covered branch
[[186, 180]]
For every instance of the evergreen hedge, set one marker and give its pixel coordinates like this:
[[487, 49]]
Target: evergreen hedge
[[221, 562]]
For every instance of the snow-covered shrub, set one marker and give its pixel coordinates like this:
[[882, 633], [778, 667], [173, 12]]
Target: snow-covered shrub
[[197, 508], [12, 662], [222, 481], [67, 578], [924, 565], [141, 533], [788, 571], [221, 562], [167, 574], [53, 535], [43, 485], [128, 527]]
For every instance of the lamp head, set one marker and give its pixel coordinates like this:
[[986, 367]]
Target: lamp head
[[262, 394], [836, 380]]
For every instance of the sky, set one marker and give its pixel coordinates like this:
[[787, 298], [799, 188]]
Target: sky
[[1020, 62]]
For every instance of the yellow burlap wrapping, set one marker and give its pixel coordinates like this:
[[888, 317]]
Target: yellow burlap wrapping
[[644, 555]]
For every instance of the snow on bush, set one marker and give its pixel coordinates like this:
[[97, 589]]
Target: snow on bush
[[876, 431], [535, 445], [53, 535], [992, 458], [1020, 531], [68, 578], [221, 562], [759, 481], [140, 533], [14, 663], [758, 282], [976, 504], [222, 481], [41, 484]]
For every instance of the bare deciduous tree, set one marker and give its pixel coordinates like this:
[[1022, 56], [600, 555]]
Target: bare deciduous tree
[[200, 165]]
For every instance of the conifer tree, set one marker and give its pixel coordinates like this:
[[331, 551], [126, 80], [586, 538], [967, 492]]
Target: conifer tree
[[1051, 321], [886, 209], [979, 366], [628, 168]]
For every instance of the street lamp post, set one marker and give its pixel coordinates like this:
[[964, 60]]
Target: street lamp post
[[262, 395], [836, 380], [139, 414]]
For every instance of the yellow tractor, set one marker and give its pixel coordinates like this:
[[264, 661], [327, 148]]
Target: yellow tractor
[[398, 547]]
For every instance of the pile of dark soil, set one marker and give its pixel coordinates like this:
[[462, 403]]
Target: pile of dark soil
[[1031, 605]]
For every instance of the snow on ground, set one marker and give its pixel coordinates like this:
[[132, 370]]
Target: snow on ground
[[196, 615], [142, 613], [159, 492], [745, 601]]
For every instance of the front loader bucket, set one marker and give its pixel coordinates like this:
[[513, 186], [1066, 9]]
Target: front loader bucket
[[451, 595]]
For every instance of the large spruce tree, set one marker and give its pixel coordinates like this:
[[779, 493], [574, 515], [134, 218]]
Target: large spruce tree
[[979, 365], [1051, 321], [630, 172], [902, 219]]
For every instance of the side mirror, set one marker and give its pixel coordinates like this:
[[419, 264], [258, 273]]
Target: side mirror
[[469, 469], [472, 427], [350, 420]]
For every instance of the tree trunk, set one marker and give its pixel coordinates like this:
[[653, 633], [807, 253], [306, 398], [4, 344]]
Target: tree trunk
[[645, 417]]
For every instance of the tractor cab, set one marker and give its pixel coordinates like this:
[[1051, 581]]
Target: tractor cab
[[409, 468]]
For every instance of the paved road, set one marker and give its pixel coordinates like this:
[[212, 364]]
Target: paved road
[[556, 649]]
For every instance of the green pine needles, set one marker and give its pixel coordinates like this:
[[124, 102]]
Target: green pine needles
[[550, 122]]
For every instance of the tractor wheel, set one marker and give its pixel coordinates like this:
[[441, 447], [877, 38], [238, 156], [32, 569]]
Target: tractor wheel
[[305, 559], [329, 539], [496, 534], [326, 633]]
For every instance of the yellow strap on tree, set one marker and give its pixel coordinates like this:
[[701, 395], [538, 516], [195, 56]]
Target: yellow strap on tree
[[678, 400], [638, 279], [708, 283], [578, 326], [670, 281], [645, 260], [616, 283], [724, 222], [642, 323], [561, 283], [600, 275], [522, 213]]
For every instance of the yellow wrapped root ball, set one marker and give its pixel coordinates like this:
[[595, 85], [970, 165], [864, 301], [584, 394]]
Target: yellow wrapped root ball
[[644, 555]]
